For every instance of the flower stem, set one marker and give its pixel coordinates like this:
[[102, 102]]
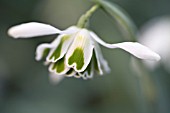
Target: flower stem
[[83, 21]]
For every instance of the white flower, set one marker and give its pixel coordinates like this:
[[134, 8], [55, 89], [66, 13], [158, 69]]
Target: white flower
[[156, 35], [75, 52]]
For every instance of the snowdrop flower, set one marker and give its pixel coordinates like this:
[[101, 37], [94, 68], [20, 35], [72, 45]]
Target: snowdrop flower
[[155, 34], [75, 52]]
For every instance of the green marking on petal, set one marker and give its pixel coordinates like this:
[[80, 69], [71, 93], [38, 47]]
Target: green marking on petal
[[77, 57], [88, 69], [96, 66], [45, 53], [59, 66], [88, 72], [57, 52]]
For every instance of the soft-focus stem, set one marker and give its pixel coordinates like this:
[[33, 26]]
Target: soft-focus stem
[[83, 21], [147, 87], [119, 15]]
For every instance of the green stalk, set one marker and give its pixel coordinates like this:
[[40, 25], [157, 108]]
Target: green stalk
[[120, 16], [84, 19]]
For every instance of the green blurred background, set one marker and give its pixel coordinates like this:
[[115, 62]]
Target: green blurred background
[[24, 83]]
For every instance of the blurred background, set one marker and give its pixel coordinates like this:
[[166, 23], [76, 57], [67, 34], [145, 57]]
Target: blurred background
[[24, 82]]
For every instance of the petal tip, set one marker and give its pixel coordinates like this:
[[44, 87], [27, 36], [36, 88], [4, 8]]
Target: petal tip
[[37, 58], [157, 57], [12, 32]]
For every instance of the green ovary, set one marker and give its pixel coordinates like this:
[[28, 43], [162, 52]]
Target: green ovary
[[77, 57]]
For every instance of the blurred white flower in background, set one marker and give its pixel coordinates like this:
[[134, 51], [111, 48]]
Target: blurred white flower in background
[[155, 34]]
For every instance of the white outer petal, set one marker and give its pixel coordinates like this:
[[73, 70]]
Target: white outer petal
[[32, 29], [134, 48]]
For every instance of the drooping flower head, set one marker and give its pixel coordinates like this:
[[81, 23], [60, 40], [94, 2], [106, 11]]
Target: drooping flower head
[[75, 52]]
